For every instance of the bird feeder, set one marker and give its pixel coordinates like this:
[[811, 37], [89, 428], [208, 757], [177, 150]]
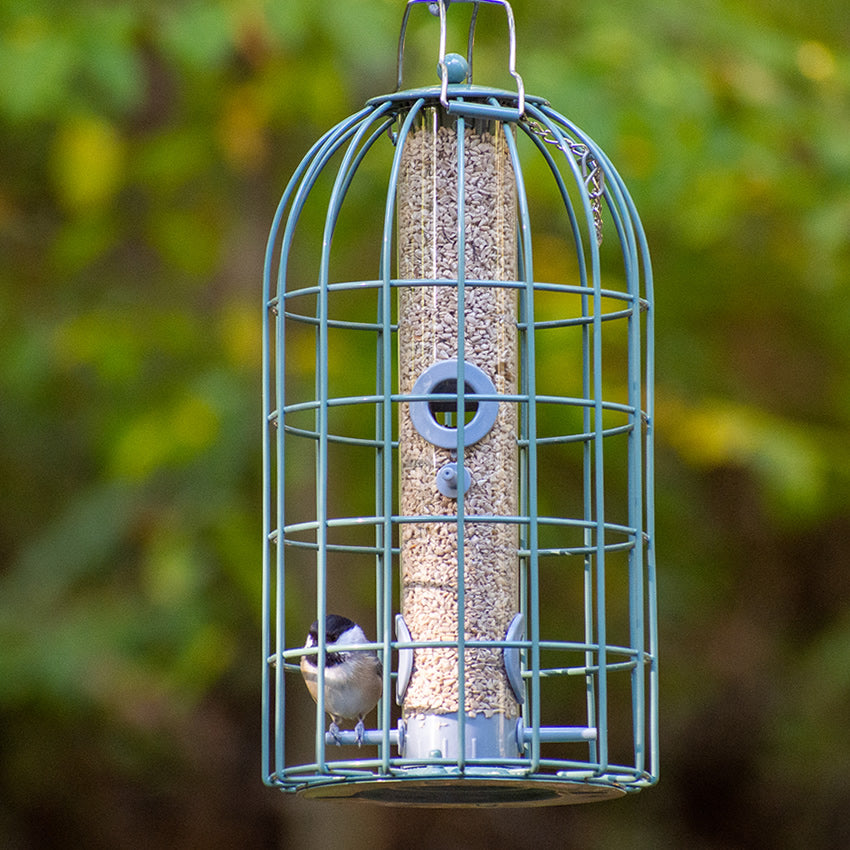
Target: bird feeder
[[459, 441]]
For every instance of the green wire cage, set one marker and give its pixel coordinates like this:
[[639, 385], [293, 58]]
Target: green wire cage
[[465, 447]]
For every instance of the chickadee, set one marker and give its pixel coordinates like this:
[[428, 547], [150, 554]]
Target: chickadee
[[353, 678]]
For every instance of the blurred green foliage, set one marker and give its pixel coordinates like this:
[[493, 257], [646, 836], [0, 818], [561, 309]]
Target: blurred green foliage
[[145, 147]]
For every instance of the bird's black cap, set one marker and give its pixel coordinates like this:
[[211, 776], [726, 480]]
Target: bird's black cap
[[335, 625]]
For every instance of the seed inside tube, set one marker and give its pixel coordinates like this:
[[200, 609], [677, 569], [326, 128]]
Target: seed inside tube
[[428, 333]]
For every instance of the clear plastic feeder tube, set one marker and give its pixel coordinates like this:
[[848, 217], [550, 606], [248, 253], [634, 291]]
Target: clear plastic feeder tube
[[429, 250]]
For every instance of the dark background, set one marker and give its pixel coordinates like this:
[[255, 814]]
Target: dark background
[[144, 149]]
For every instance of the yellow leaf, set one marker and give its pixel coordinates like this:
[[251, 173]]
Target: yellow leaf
[[87, 162], [816, 61], [165, 438]]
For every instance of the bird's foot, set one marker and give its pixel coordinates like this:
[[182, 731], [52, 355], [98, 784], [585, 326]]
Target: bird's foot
[[359, 731], [334, 730]]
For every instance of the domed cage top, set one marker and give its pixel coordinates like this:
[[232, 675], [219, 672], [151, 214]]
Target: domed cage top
[[465, 448]]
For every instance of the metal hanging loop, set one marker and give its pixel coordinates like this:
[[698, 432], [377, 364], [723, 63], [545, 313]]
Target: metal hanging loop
[[438, 8]]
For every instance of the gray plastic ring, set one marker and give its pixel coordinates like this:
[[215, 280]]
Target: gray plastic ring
[[476, 382]]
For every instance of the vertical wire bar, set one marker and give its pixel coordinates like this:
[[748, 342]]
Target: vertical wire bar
[[351, 160], [651, 627], [382, 589], [632, 239], [383, 574], [597, 504], [522, 466], [635, 476], [649, 492], [280, 566], [386, 470], [381, 517], [383, 578], [527, 305], [387, 485], [587, 498], [265, 638], [599, 500], [649, 450], [297, 190], [268, 459], [322, 392], [551, 121], [626, 240], [524, 485], [461, 435], [615, 193]]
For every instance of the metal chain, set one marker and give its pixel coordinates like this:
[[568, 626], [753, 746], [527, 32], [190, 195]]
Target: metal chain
[[591, 171]]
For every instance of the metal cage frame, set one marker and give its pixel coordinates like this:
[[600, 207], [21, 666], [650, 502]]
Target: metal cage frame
[[594, 199]]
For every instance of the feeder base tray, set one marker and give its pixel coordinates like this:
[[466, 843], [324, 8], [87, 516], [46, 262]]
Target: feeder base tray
[[464, 792]]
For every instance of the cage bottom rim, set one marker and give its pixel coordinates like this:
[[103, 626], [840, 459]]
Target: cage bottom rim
[[461, 792]]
